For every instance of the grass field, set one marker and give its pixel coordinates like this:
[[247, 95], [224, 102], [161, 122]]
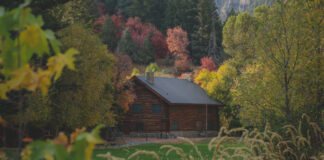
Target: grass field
[[127, 151]]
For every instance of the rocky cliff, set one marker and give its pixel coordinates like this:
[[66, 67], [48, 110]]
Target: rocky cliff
[[225, 6]]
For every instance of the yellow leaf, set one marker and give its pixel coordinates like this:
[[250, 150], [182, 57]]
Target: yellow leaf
[[61, 139], [33, 39], [30, 36], [76, 133], [44, 81], [89, 151], [56, 63], [18, 77], [69, 54], [25, 154], [48, 156]]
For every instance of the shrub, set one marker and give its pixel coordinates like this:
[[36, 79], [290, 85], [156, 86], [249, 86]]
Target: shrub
[[153, 67]]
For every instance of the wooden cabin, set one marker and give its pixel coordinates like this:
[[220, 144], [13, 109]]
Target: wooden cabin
[[170, 106]]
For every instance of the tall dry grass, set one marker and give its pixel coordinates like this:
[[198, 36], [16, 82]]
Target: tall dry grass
[[304, 142]]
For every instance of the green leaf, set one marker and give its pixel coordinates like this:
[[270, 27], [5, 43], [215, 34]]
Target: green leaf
[[96, 131], [9, 56], [2, 11], [25, 4], [49, 34], [40, 21], [55, 45], [61, 152], [40, 148], [78, 149]]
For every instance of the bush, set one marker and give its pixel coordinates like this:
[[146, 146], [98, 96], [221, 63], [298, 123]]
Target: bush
[[153, 67]]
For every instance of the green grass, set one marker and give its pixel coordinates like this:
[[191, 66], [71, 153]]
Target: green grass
[[127, 151]]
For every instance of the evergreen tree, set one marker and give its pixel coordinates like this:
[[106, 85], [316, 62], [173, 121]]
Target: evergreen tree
[[108, 34], [147, 52], [151, 11], [126, 44], [181, 13], [110, 6], [215, 48], [207, 15], [122, 6]]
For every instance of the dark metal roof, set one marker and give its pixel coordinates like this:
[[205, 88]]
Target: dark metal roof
[[179, 91]]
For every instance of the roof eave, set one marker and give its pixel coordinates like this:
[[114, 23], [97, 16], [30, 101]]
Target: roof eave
[[196, 104], [167, 101], [152, 90]]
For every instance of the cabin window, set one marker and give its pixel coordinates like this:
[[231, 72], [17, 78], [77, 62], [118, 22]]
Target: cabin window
[[199, 125], [211, 125], [174, 125], [210, 110], [137, 108], [199, 109], [139, 126], [175, 109], [156, 108]]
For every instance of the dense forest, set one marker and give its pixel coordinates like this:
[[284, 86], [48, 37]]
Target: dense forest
[[265, 66]]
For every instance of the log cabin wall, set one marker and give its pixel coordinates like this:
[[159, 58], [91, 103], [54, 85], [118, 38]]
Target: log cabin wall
[[183, 118], [193, 118], [152, 122]]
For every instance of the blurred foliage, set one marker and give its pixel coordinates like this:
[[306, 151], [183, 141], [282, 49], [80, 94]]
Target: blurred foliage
[[74, 12], [21, 38], [79, 146]]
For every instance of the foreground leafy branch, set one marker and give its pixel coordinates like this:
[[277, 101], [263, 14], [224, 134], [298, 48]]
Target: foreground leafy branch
[[79, 145], [21, 38]]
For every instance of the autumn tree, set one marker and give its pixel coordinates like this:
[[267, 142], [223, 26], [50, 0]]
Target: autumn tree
[[73, 12], [239, 34], [218, 85], [207, 63], [122, 87], [84, 97], [119, 23], [273, 88], [177, 41], [140, 31]]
